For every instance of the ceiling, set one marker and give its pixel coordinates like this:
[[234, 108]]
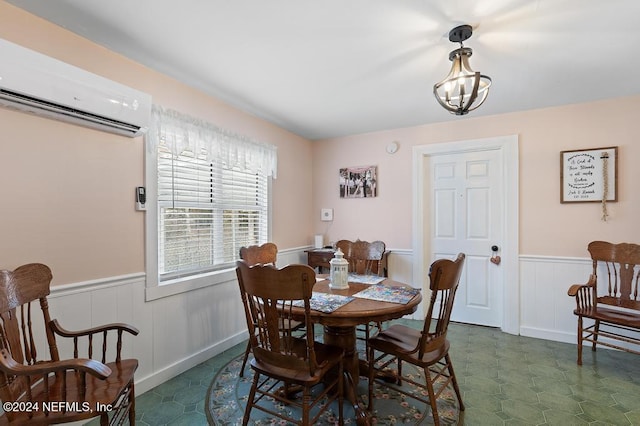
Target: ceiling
[[338, 67]]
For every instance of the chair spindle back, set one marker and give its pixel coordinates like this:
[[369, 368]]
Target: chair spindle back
[[622, 265], [444, 277], [19, 290], [364, 258], [269, 296], [267, 253]]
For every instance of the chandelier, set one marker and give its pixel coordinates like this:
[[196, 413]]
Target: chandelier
[[463, 89]]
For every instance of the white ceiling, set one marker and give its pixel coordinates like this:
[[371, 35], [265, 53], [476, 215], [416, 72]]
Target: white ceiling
[[324, 68]]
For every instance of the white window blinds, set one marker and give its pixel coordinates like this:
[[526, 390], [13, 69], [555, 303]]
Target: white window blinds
[[208, 205]]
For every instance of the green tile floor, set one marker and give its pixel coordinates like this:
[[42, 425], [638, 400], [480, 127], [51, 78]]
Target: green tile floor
[[505, 380]]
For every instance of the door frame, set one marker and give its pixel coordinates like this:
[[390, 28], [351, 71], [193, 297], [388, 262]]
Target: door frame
[[508, 147]]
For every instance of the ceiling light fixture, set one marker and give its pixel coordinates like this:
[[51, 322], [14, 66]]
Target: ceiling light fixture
[[463, 90]]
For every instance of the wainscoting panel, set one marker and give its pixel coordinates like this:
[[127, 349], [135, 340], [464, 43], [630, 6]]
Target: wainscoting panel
[[116, 299], [176, 332], [292, 256], [546, 311], [189, 328], [180, 331]]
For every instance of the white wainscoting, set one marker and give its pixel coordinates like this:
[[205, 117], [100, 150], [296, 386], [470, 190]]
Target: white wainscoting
[[180, 331], [176, 332], [546, 311], [294, 255]]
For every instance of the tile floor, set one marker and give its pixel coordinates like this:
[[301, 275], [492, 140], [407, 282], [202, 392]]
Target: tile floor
[[505, 380]]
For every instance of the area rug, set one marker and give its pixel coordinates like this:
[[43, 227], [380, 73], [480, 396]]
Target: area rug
[[227, 396]]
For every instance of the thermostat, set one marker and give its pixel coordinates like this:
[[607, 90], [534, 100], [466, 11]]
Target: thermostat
[[141, 198]]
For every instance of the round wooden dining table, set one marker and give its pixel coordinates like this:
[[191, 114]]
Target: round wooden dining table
[[340, 326]]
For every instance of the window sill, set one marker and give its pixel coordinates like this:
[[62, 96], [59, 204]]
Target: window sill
[[183, 285]]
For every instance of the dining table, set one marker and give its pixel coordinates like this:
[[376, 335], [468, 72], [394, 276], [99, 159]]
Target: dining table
[[340, 325]]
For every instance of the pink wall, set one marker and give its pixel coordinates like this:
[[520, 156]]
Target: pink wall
[[49, 216], [547, 227], [67, 192]]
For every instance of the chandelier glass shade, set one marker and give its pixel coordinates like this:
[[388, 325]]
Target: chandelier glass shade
[[463, 89]]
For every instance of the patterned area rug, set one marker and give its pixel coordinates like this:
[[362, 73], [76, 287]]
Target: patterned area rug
[[227, 396]]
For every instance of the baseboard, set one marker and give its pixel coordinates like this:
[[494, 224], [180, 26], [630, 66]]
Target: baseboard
[[157, 378], [546, 334]]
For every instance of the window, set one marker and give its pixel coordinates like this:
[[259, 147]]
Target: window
[[212, 192], [206, 213]]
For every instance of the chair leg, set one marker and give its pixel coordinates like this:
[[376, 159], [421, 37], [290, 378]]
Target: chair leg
[[252, 395], [367, 332], [372, 373], [596, 330], [341, 379], [246, 357], [579, 340], [367, 335], [132, 402], [306, 403], [432, 397], [452, 374]]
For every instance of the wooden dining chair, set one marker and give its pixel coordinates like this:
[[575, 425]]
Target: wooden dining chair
[[611, 298], [366, 258], [427, 348], [269, 295], [53, 390], [265, 254]]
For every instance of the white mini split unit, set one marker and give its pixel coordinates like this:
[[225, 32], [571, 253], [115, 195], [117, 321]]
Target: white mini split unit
[[36, 83]]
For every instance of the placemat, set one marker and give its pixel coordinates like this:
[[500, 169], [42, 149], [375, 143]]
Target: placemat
[[325, 302], [385, 293], [365, 279]]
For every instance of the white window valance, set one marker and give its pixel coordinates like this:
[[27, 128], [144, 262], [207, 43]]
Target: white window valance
[[178, 132]]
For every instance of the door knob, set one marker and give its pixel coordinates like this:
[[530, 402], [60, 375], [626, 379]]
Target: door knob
[[495, 259]]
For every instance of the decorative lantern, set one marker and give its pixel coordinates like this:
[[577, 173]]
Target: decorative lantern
[[339, 272]]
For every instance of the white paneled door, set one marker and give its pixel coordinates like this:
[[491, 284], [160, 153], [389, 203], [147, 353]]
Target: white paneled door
[[466, 216]]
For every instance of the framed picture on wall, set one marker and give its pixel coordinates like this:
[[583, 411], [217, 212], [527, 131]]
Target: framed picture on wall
[[358, 182], [589, 175]]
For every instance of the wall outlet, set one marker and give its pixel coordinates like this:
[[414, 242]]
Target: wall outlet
[[326, 215]]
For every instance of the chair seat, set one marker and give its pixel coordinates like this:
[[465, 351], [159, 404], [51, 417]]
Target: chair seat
[[327, 356], [401, 341], [103, 393], [617, 316]]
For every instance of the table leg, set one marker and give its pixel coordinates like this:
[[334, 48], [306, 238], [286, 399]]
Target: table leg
[[345, 337]]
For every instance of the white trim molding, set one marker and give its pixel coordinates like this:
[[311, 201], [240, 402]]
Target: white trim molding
[[99, 284]]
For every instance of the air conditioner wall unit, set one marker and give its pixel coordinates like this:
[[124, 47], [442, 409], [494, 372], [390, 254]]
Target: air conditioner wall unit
[[33, 82]]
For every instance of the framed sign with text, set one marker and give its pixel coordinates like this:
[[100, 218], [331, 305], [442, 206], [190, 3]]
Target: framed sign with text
[[589, 175]]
